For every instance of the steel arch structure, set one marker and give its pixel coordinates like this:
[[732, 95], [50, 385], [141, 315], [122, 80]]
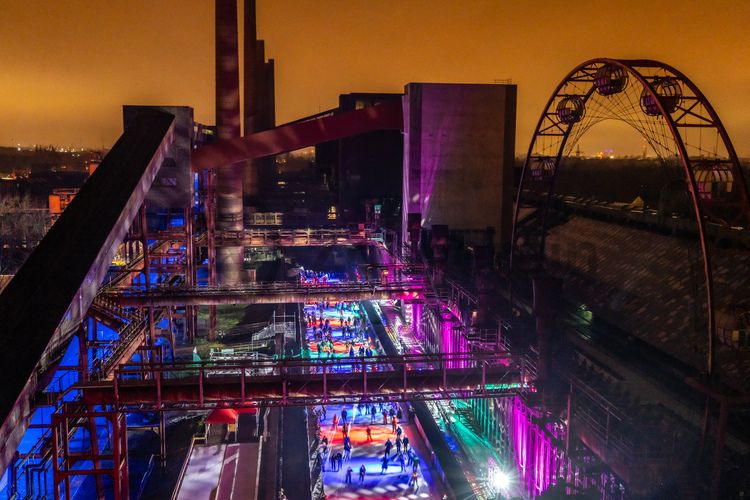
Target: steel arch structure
[[672, 115]]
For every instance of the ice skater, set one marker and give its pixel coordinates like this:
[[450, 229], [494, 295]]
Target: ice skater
[[414, 481], [388, 446], [384, 467]]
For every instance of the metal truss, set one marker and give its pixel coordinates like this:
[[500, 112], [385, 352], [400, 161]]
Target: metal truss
[[266, 292], [68, 463], [311, 381], [674, 118], [302, 237]]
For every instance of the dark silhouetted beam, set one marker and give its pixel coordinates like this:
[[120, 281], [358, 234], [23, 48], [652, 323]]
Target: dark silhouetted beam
[[285, 138], [45, 302]]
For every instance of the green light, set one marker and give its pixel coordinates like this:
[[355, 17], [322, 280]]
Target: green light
[[514, 385]]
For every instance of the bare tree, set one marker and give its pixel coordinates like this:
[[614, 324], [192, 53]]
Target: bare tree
[[23, 223]]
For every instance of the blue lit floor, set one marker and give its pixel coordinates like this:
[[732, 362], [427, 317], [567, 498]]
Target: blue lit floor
[[391, 483], [378, 483]]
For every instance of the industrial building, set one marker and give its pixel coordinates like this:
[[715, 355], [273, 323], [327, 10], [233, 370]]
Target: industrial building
[[202, 322]]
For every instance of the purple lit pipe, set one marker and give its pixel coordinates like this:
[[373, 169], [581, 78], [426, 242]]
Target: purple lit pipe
[[417, 320], [535, 456]]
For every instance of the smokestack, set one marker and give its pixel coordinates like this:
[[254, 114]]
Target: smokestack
[[227, 70], [253, 68], [259, 109], [228, 180]]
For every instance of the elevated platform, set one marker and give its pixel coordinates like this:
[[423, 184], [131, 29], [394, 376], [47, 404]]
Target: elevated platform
[[267, 293], [310, 382], [304, 237]]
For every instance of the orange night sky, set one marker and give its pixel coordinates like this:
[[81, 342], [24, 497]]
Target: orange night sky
[[66, 67]]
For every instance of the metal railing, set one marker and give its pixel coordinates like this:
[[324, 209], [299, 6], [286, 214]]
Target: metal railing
[[614, 427], [114, 351], [298, 237], [236, 355], [314, 381], [416, 282], [265, 292], [106, 306], [35, 464], [145, 478], [240, 330], [185, 463]]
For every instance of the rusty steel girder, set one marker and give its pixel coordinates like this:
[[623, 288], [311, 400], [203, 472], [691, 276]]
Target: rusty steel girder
[[311, 381], [267, 293], [285, 138]]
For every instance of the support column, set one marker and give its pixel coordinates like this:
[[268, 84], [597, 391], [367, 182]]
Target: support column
[[83, 353], [94, 444], [211, 323], [721, 430], [151, 327], [570, 420], [484, 280], [440, 244], [190, 275], [414, 226], [144, 243], [172, 336], [67, 464], [547, 297], [162, 441], [211, 237]]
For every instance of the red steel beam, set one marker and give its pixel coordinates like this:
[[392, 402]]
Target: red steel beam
[[294, 237], [285, 138], [203, 390], [218, 295]]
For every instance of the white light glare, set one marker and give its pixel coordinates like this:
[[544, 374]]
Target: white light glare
[[501, 480]]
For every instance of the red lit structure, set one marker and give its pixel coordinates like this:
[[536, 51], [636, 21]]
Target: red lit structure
[[310, 382], [297, 135], [127, 205], [67, 462], [268, 293]]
